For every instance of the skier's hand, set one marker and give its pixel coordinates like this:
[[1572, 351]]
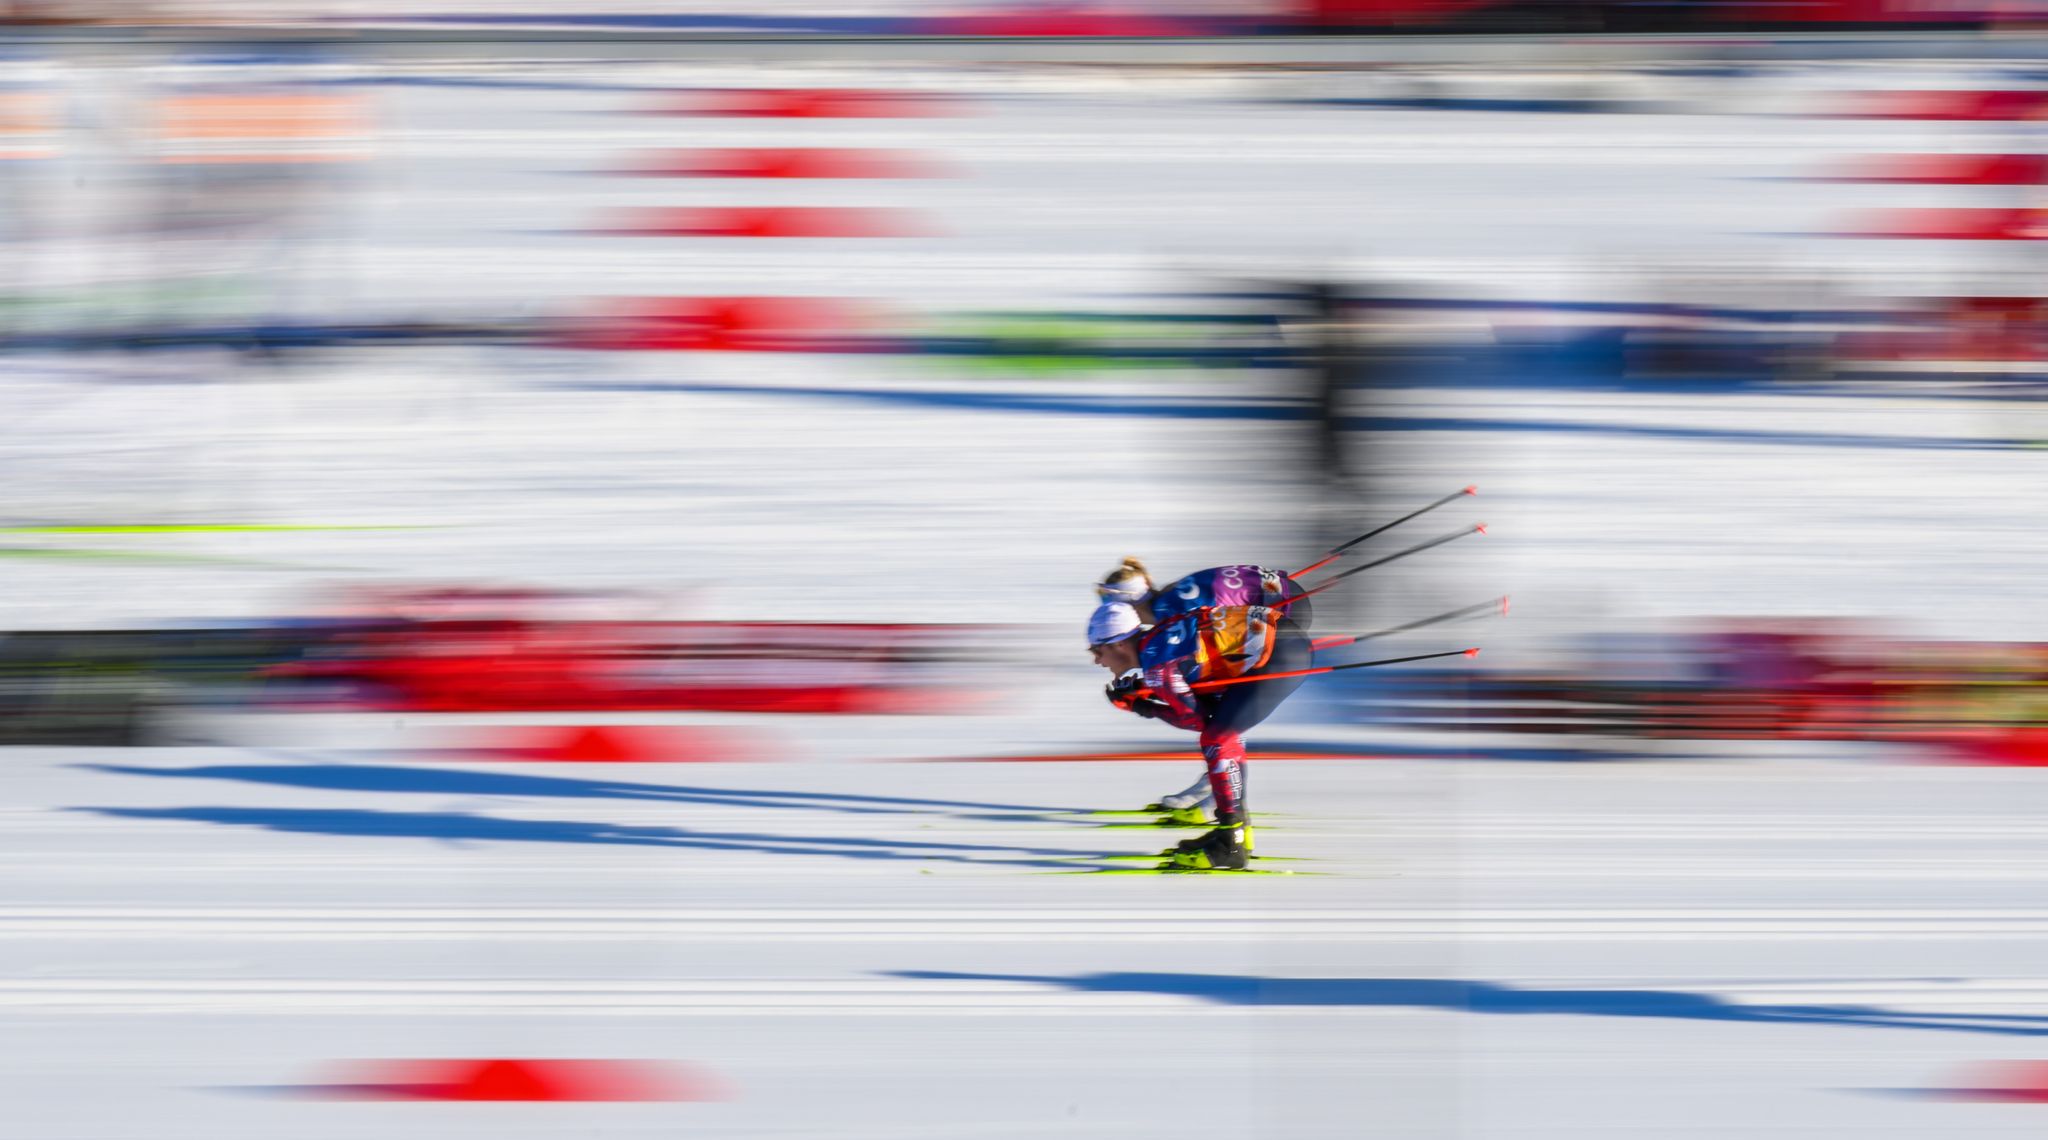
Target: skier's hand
[[1130, 693], [1127, 690]]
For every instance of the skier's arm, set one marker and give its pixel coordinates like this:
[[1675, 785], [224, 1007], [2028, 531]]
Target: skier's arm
[[1130, 693], [1172, 702]]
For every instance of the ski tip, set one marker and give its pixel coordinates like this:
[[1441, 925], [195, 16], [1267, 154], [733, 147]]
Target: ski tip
[[1478, 528], [1472, 653], [1471, 488]]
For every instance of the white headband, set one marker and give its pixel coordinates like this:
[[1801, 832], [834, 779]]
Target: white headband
[[1128, 590]]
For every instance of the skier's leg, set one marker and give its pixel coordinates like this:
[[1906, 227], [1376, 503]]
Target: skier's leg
[[1243, 706], [1226, 847], [1244, 780], [1190, 798], [1240, 708], [1223, 750]]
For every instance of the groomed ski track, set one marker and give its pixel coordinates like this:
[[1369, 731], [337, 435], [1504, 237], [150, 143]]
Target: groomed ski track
[[1496, 953]]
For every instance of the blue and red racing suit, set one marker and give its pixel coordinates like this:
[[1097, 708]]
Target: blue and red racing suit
[[1228, 586]]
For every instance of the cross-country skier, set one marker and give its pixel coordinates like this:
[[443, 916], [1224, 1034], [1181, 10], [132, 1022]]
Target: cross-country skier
[[1214, 625]]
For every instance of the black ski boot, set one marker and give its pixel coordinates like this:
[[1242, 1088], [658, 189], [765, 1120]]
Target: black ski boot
[[1224, 849]]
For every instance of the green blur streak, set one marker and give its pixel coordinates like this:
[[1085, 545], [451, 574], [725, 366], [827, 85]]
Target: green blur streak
[[84, 554], [192, 528]]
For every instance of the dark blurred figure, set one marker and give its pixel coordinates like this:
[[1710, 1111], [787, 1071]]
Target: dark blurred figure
[[1316, 322], [1331, 364], [1343, 357]]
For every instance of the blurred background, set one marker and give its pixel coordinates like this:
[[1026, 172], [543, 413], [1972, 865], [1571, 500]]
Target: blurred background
[[407, 409]]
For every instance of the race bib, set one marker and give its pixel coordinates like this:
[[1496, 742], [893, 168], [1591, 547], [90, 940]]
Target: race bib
[[1235, 640]]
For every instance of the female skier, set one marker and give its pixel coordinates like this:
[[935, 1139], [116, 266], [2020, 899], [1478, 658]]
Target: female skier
[[1225, 624]]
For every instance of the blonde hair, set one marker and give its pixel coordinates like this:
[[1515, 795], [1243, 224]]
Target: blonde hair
[[1129, 582]]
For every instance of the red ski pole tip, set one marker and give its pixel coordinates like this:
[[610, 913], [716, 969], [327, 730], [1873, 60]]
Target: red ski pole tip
[[1473, 489], [1503, 605], [1471, 653], [1479, 528]]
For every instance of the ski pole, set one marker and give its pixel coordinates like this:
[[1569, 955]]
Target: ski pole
[[1331, 669], [1476, 528], [1500, 604], [1336, 552]]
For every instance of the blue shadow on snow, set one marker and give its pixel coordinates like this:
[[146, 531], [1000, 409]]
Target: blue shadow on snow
[[463, 826], [453, 782], [1460, 996]]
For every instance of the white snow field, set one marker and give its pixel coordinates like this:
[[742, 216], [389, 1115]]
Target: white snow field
[[1758, 947], [874, 939]]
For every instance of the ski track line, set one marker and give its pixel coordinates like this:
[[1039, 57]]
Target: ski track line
[[827, 926]]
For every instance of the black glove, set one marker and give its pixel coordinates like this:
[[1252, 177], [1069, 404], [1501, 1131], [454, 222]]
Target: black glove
[[1130, 693], [1126, 689]]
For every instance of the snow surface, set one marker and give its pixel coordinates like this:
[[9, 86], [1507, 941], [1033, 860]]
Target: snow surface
[[1703, 949]]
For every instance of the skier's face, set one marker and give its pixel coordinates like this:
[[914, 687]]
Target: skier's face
[[1118, 657]]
